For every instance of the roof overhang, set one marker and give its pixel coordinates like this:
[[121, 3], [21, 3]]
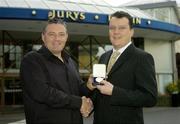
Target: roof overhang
[[156, 5], [31, 21]]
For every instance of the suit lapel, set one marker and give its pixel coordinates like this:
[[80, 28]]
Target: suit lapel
[[107, 57], [123, 58]]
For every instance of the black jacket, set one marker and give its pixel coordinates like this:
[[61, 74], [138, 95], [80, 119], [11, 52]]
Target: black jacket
[[133, 77], [52, 89]]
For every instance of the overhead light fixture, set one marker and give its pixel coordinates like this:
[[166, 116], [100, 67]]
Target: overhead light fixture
[[34, 12], [96, 17], [149, 22]]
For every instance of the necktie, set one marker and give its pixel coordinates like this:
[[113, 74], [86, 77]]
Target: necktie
[[112, 60]]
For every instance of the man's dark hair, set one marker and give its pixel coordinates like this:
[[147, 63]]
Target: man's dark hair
[[122, 14], [55, 21]]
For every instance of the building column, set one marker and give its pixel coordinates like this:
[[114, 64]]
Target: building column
[[174, 67]]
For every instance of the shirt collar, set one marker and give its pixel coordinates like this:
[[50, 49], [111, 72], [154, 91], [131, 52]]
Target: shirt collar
[[45, 51], [121, 50]]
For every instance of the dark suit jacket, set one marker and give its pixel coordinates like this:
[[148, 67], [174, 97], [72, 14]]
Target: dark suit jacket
[[133, 77], [51, 89]]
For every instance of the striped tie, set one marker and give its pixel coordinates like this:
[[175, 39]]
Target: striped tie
[[112, 60]]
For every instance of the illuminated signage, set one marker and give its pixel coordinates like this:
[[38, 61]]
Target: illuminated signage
[[74, 16], [81, 16], [136, 21]]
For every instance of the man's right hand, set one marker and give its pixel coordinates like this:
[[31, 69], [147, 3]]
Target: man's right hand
[[86, 106]]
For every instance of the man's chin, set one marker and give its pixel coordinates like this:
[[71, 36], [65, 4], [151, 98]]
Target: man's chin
[[56, 51]]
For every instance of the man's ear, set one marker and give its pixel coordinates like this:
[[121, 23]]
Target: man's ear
[[67, 35], [42, 36], [132, 32]]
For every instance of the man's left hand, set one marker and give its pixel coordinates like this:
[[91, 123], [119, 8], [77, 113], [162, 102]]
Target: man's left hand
[[105, 88]]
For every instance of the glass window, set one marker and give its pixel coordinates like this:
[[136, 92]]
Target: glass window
[[55, 5], [150, 12], [73, 6], [100, 2], [36, 4], [163, 14], [3, 3], [139, 13], [118, 9], [106, 10], [17, 3], [11, 57], [78, 1], [163, 80], [89, 8]]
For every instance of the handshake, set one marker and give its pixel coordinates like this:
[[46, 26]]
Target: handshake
[[86, 106]]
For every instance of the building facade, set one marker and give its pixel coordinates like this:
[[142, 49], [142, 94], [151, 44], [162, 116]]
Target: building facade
[[22, 21], [166, 11]]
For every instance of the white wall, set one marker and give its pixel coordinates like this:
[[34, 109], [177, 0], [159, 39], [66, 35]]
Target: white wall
[[177, 46], [166, 14], [162, 53]]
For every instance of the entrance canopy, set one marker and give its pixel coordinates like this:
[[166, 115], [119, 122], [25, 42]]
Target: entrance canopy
[[26, 18]]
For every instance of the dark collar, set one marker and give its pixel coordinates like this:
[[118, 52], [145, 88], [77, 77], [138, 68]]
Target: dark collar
[[47, 53]]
